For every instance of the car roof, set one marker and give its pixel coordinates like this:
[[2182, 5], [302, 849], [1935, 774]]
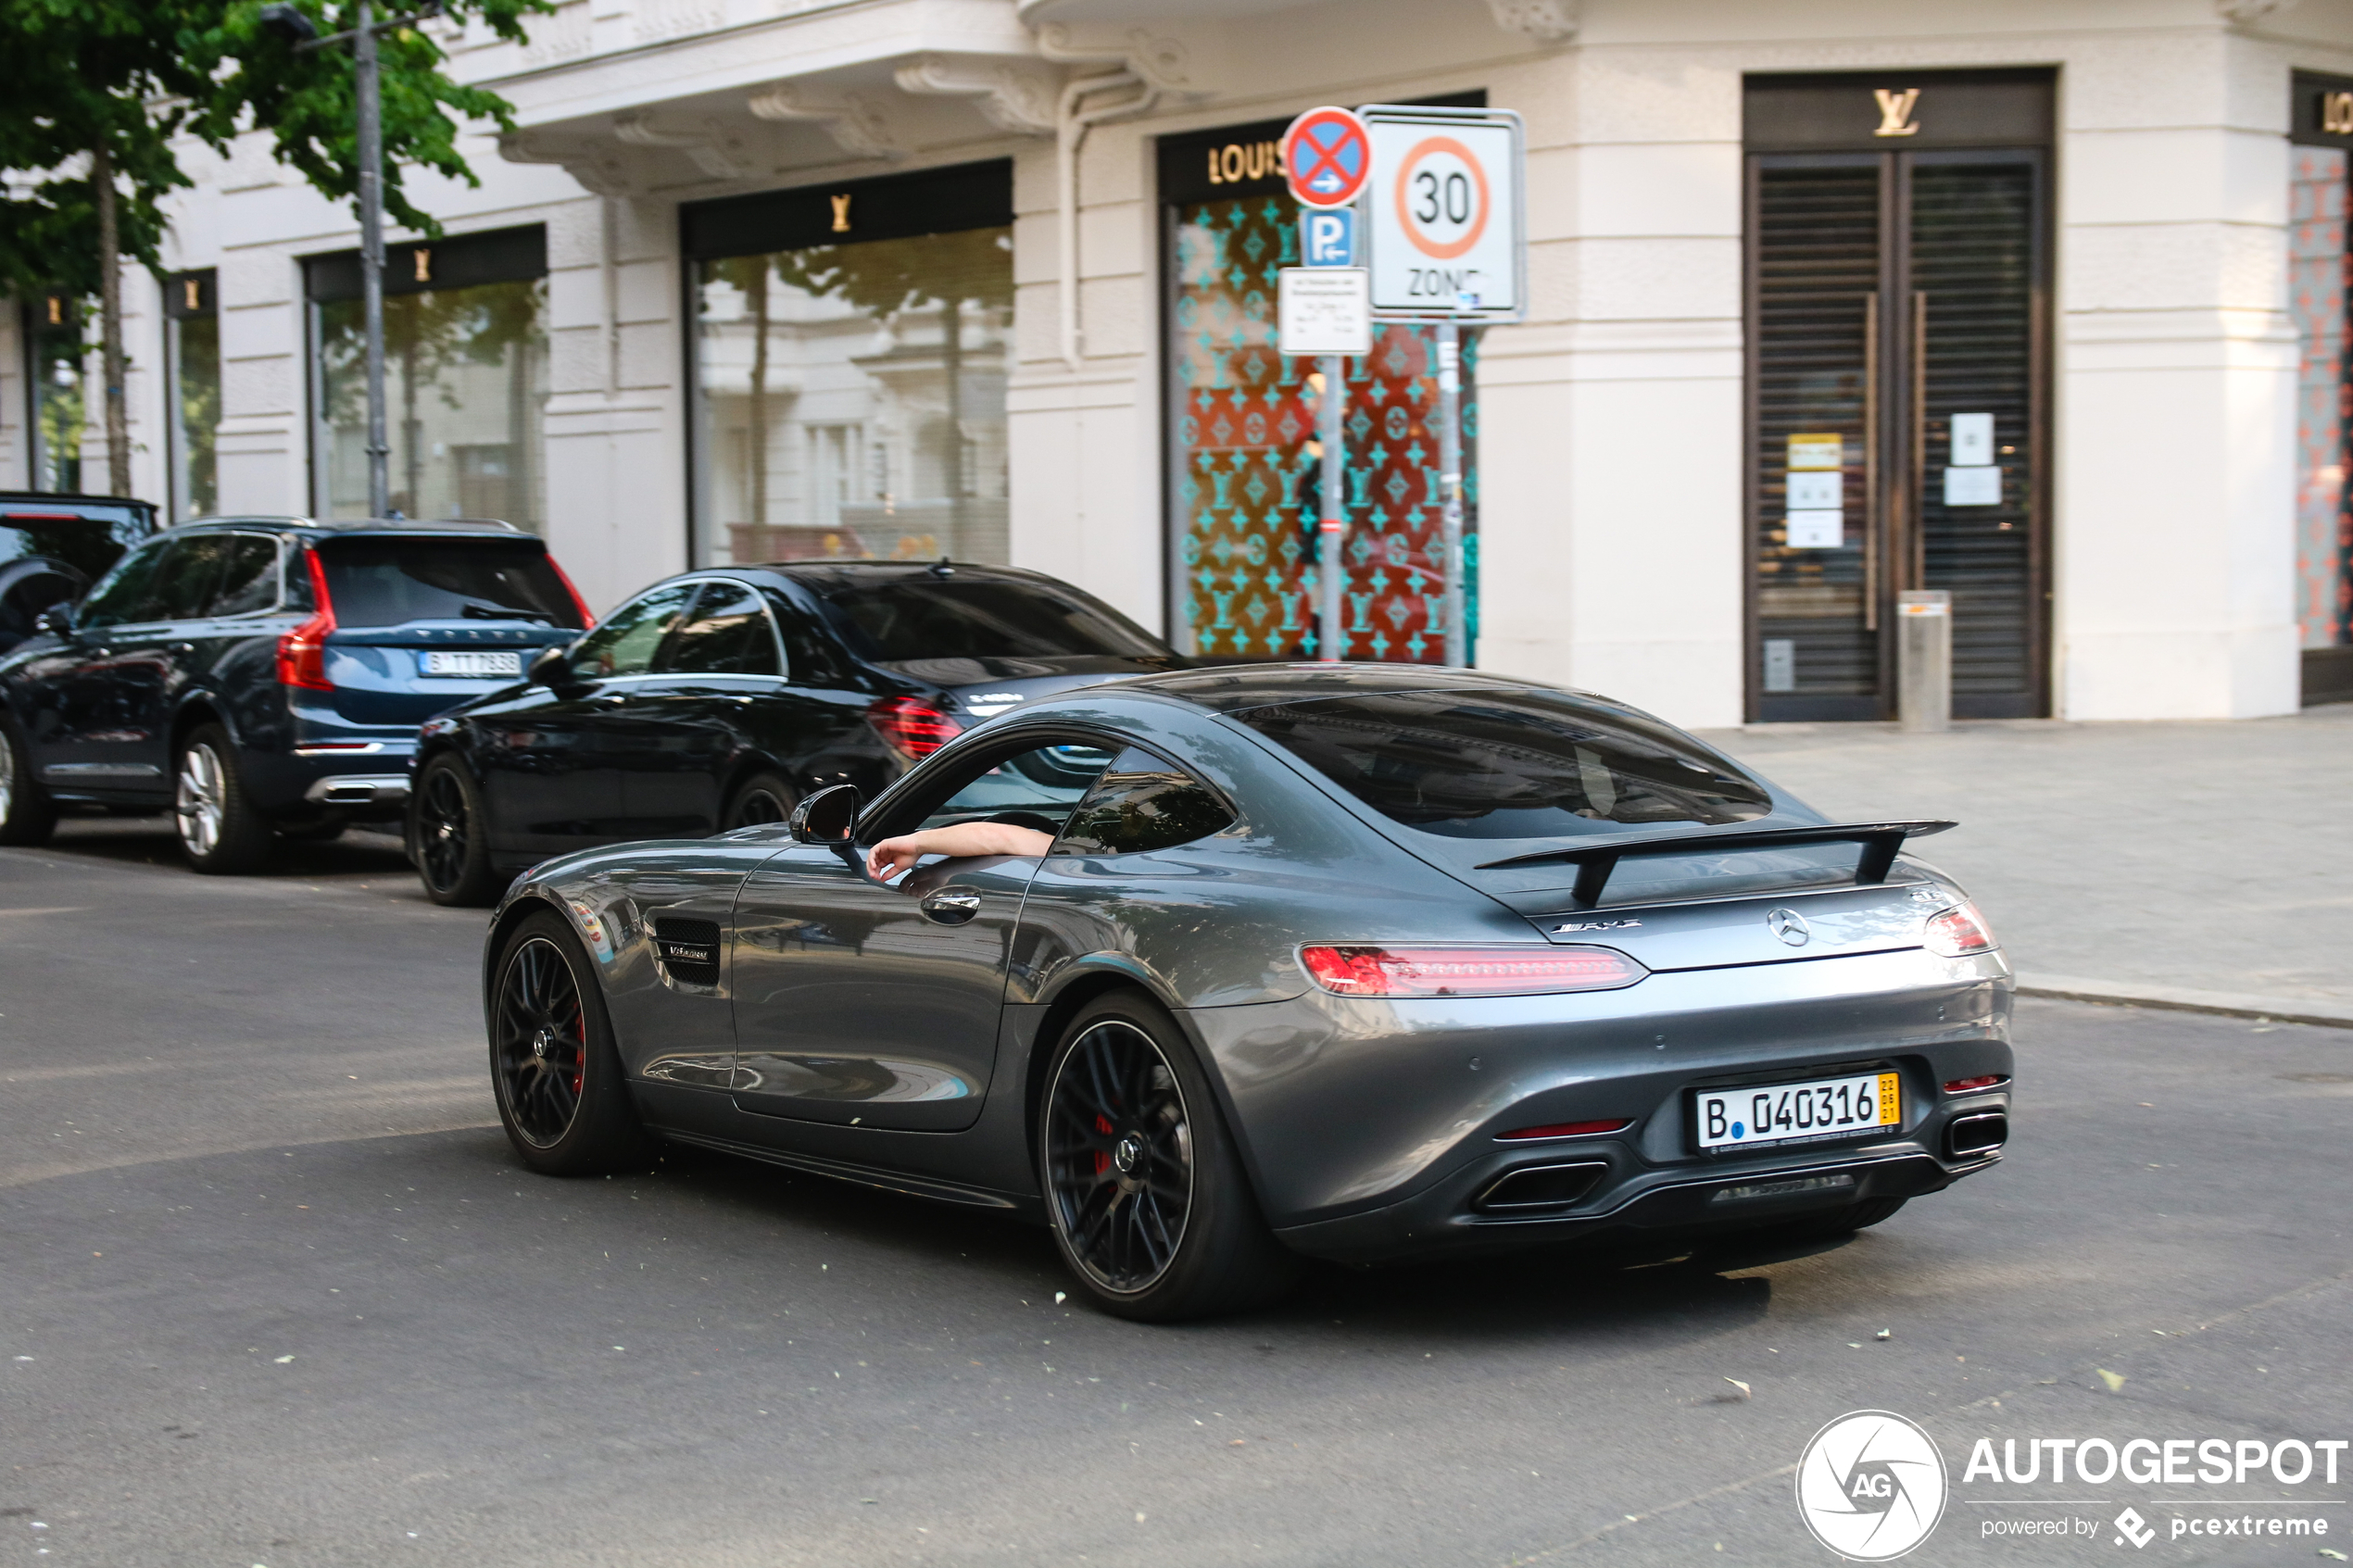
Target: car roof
[[845, 573], [63, 499], [1233, 687], [340, 526]]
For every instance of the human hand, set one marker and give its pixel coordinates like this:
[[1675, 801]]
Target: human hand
[[890, 857]]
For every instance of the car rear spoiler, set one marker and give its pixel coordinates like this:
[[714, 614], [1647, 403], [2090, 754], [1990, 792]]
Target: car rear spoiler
[[1595, 863]]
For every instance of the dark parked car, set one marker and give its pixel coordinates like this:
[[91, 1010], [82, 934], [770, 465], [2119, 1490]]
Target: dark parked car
[[1361, 963], [721, 697], [53, 548], [267, 674]]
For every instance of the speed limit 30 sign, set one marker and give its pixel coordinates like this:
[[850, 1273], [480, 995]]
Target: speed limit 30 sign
[[1444, 222]]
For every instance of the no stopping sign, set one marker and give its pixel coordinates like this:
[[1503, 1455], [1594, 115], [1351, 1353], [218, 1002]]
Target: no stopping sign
[[1444, 221]]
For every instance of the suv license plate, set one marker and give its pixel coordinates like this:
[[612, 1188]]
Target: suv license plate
[[1767, 1114], [474, 661]]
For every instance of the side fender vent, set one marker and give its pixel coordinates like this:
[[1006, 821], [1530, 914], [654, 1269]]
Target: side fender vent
[[689, 950]]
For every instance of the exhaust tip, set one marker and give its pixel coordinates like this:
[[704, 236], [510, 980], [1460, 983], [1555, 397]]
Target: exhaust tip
[[1980, 1133], [1532, 1189]]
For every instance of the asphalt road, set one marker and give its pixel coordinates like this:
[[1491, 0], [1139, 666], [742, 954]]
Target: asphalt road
[[273, 1292]]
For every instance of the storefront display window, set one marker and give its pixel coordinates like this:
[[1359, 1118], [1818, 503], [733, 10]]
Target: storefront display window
[[56, 367], [1244, 467], [191, 347], [465, 380], [852, 392], [2317, 271]]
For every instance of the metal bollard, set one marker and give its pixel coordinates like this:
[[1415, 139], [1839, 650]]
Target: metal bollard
[[1924, 660]]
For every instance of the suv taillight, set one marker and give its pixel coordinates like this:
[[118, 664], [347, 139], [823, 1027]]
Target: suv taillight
[[302, 652], [586, 620], [911, 727]]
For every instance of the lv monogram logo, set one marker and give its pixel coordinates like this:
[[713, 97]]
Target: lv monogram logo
[[1895, 111]]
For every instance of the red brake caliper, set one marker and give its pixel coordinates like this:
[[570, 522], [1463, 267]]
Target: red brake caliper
[[1102, 1158]]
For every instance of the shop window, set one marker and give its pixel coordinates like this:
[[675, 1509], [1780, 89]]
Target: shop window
[[192, 355], [57, 368], [2317, 268], [851, 395], [465, 380], [1244, 466]]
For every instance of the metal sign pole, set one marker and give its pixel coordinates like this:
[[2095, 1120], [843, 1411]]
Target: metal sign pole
[[371, 258], [1450, 484], [1331, 643]]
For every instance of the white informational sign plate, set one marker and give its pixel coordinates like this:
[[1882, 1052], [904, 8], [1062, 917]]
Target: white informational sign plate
[[1973, 487], [1972, 440], [1324, 310], [1817, 530], [1816, 451], [1444, 225], [1819, 491]]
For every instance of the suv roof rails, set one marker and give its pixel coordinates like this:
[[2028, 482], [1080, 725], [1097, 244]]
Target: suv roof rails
[[342, 524]]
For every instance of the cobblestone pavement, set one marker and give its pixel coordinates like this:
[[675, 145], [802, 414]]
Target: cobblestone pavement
[[2212, 857]]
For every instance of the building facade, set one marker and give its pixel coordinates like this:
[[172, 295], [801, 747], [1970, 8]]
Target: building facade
[[2042, 305]]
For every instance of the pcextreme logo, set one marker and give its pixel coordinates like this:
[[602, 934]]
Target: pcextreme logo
[[1870, 1486]]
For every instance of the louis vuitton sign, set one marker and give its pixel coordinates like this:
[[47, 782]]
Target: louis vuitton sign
[[1906, 110]]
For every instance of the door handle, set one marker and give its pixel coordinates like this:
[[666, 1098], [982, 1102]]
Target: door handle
[[950, 905]]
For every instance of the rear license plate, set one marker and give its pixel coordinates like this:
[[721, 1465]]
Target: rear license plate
[[474, 661], [1765, 1114]]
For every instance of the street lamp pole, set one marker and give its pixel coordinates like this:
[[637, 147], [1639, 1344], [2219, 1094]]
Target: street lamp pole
[[367, 90], [289, 22]]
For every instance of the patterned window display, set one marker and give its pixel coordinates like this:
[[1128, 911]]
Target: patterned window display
[[1245, 467], [2318, 267]]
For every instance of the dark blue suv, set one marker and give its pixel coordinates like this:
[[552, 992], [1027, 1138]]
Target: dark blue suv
[[267, 676]]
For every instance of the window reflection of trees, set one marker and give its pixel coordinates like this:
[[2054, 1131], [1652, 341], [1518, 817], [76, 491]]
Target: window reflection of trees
[[901, 449]]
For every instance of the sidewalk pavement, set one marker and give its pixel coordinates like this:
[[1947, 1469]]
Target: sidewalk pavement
[[2207, 866]]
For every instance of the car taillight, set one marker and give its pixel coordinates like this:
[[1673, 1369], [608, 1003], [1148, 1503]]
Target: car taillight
[[1467, 971], [1565, 1130], [578, 603], [1956, 933], [911, 727], [302, 652]]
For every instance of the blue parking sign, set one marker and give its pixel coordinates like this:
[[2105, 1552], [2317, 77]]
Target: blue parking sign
[[1327, 238]]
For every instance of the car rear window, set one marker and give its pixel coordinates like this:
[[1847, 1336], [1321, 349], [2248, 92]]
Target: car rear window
[[1510, 764], [927, 617], [388, 581], [89, 545]]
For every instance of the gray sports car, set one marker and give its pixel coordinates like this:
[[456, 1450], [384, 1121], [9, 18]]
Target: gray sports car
[[1355, 962]]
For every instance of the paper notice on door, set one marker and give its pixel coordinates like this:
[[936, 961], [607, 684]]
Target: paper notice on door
[[1973, 486], [1817, 530], [1972, 440], [1817, 452], [1815, 491]]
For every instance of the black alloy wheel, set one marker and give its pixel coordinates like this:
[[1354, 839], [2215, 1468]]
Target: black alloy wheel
[[1144, 1188], [1119, 1152], [553, 1065], [541, 1043], [446, 838], [27, 814], [759, 801]]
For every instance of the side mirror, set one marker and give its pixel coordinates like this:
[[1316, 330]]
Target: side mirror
[[56, 620], [830, 816], [550, 667]]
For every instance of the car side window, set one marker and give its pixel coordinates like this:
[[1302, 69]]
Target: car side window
[[248, 580], [184, 578], [1142, 803], [127, 592], [627, 640], [1036, 788], [726, 633]]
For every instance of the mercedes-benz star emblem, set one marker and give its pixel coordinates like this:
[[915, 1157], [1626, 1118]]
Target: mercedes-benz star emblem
[[1789, 925]]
